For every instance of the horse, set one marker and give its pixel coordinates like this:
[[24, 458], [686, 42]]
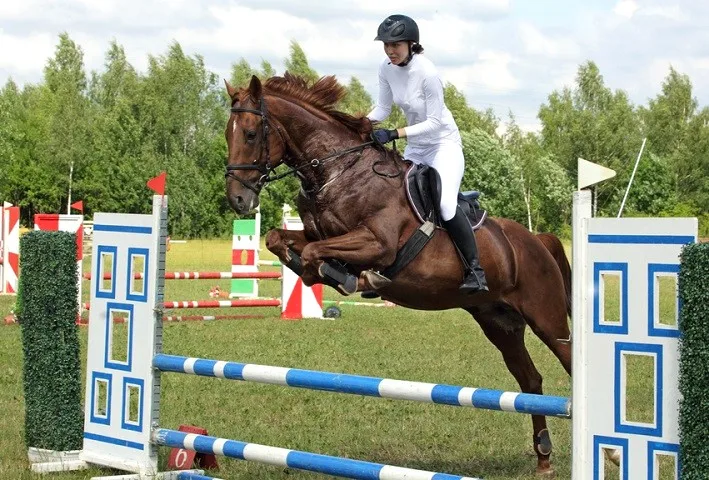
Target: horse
[[356, 214]]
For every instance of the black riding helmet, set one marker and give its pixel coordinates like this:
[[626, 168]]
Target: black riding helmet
[[398, 28]]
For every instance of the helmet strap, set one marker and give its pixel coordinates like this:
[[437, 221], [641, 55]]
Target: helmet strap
[[408, 59]]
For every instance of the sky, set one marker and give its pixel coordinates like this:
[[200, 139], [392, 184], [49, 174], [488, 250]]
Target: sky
[[508, 55]]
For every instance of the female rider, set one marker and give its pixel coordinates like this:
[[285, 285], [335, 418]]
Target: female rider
[[411, 81]]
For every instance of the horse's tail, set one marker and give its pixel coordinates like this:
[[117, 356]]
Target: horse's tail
[[554, 246]]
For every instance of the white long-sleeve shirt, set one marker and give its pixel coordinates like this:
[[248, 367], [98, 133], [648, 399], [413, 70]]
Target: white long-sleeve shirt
[[418, 90]]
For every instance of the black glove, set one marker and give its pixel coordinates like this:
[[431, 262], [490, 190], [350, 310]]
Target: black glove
[[383, 136]]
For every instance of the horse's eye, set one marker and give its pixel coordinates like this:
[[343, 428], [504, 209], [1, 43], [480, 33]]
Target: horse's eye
[[250, 135]]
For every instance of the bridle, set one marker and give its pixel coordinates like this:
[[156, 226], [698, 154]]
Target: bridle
[[267, 168], [264, 168]]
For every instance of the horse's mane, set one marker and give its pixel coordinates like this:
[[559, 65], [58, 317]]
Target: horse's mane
[[322, 95]]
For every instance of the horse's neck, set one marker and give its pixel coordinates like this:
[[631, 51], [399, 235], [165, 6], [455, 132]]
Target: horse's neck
[[317, 141], [309, 140]]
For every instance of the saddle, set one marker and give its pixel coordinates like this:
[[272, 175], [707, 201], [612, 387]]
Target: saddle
[[423, 189]]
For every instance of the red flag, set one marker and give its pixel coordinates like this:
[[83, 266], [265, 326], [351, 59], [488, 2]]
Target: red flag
[[78, 206], [157, 184]]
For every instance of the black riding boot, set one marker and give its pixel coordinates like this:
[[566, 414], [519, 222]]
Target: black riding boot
[[462, 235], [370, 294]]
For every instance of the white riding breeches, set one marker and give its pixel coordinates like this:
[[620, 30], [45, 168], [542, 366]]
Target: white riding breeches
[[448, 160]]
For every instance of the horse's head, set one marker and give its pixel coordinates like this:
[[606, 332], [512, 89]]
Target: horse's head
[[255, 146]]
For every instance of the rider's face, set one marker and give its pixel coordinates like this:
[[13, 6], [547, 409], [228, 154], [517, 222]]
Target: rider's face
[[397, 51]]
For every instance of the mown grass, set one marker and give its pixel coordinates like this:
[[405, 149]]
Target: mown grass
[[438, 347]]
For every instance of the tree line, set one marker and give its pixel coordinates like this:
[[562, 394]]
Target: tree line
[[99, 136]]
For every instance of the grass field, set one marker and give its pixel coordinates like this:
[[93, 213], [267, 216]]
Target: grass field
[[438, 347]]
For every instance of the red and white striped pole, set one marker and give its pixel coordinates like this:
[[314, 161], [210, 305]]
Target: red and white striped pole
[[9, 248]]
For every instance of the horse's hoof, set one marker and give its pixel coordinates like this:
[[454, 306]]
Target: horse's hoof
[[375, 279], [547, 472]]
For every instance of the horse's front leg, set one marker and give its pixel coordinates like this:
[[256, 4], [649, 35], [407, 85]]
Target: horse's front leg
[[361, 247], [287, 245], [280, 241]]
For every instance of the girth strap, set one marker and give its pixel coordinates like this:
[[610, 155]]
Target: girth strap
[[411, 249]]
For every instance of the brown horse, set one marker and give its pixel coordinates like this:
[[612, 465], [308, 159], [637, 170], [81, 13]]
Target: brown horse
[[355, 210]]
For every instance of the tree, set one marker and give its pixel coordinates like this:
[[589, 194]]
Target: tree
[[668, 115], [357, 101], [241, 73], [14, 155], [493, 171], [594, 123], [267, 70], [68, 106], [272, 198], [111, 179], [651, 191], [297, 63], [546, 187], [118, 79], [182, 117], [466, 117], [29, 176], [697, 161], [678, 135]]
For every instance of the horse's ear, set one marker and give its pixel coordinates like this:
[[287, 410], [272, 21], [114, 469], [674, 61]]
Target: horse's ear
[[255, 88], [230, 89]]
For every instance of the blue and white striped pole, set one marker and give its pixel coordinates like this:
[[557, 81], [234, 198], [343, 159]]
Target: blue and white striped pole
[[282, 457], [548, 405], [194, 476]]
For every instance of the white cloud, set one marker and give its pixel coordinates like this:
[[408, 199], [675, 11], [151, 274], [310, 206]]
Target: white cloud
[[669, 12], [376, 10], [17, 10], [491, 70], [537, 43], [233, 34], [25, 54], [626, 8]]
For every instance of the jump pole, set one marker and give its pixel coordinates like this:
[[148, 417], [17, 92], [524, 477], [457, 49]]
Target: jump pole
[[9, 248]]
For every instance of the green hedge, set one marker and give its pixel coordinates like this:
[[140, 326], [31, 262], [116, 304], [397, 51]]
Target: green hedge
[[694, 362], [47, 311]]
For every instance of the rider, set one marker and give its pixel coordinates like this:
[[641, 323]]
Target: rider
[[411, 81]]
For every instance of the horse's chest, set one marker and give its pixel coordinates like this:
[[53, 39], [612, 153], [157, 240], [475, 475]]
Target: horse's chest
[[325, 225]]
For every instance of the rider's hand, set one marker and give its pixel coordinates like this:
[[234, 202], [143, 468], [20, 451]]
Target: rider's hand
[[382, 136]]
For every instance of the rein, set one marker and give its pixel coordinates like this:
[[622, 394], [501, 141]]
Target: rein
[[266, 169]]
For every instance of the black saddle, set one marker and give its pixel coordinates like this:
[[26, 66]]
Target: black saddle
[[423, 189]]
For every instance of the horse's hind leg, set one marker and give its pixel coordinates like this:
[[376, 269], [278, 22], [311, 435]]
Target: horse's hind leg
[[504, 327], [551, 325]]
